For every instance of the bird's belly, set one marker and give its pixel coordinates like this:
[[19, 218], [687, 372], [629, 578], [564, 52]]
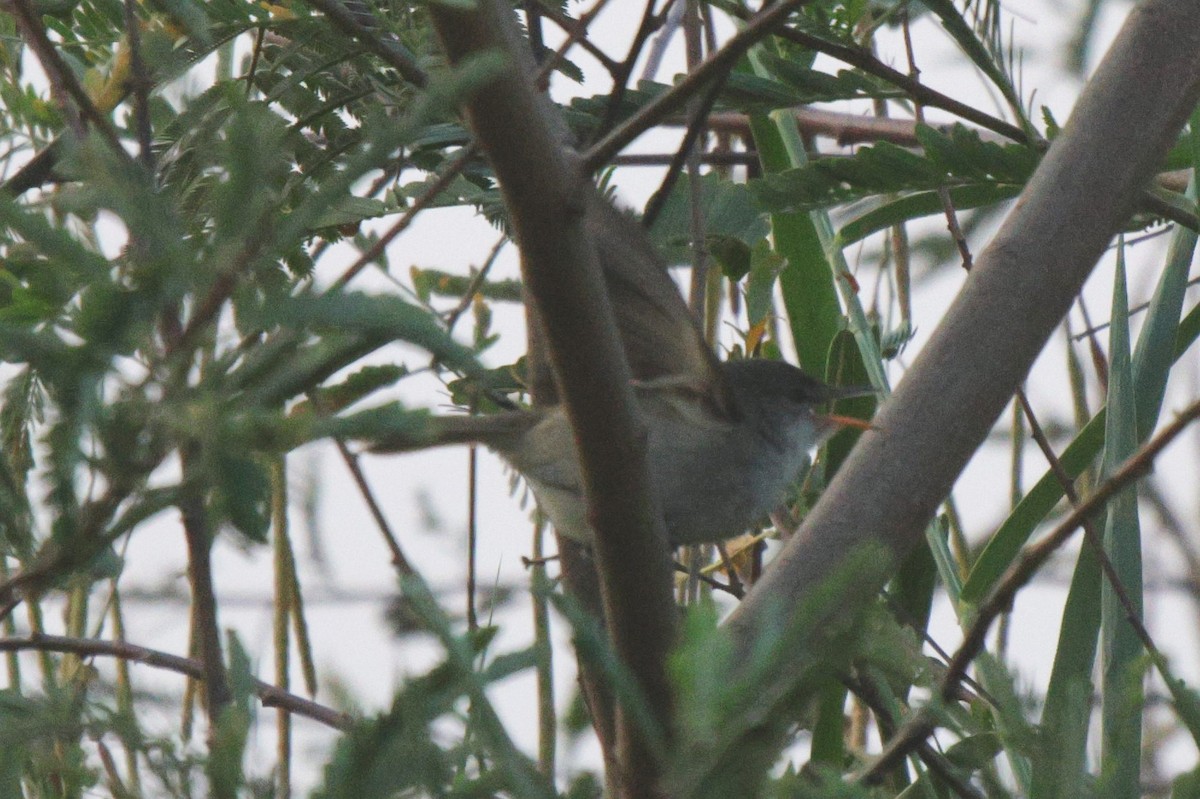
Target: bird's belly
[[703, 504]]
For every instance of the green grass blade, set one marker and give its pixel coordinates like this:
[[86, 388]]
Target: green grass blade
[[820, 272], [808, 293], [1121, 684], [1012, 534], [1045, 494], [1061, 761]]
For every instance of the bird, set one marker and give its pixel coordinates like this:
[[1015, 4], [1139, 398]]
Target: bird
[[725, 440]]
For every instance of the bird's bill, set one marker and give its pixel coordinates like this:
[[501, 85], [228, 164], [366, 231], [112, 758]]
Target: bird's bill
[[838, 420]]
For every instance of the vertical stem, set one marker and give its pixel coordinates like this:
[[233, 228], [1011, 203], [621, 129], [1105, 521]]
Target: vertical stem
[[544, 653], [472, 534], [205, 626], [282, 611], [124, 686]]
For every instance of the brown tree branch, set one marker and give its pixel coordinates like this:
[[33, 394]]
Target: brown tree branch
[[1022, 285], [867, 62], [844, 128], [67, 90], [549, 197], [270, 695], [650, 23], [205, 626]]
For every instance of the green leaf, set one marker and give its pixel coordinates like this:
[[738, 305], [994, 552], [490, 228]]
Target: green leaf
[[814, 86], [242, 494], [350, 211], [970, 754], [366, 381], [961, 161], [387, 423], [809, 296], [882, 213], [1012, 534], [956, 26], [192, 17], [730, 213], [386, 317], [1121, 685], [430, 283], [765, 269]]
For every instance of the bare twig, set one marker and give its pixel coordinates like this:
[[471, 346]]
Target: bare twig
[[576, 30], [575, 36], [205, 627], [469, 295], [649, 24], [1031, 559], [140, 85], [746, 158], [844, 128], [943, 193], [867, 690], [717, 64], [269, 695], [867, 62], [399, 560], [70, 93], [440, 184], [686, 151]]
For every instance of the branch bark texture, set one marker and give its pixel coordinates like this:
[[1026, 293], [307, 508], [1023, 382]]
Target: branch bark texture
[[1021, 287], [548, 197]]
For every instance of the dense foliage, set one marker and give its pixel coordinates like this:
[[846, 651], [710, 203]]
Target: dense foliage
[[183, 182]]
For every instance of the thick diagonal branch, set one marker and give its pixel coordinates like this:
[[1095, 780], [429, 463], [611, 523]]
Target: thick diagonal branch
[[1021, 287]]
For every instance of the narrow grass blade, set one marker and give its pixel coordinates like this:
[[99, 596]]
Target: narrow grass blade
[[1121, 689]]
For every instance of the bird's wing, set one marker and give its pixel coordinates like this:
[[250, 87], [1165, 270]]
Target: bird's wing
[[661, 336]]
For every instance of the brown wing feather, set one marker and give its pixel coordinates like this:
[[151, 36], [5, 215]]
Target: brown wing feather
[[659, 332]]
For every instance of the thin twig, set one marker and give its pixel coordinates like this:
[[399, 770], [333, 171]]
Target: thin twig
[[686, 151], [62, 80], [576, 30], [867, 62], [269, 695], [1090, 536], [577, 35], [205, 626], [844, 128], [746, 158], [472, 532], [649, 24], [401, 563], [385, 47], [1136, 309], [943, 193], [440, 184], [140, 84], [868, 692], [717, 64], [473, 287], [1018, 574]]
